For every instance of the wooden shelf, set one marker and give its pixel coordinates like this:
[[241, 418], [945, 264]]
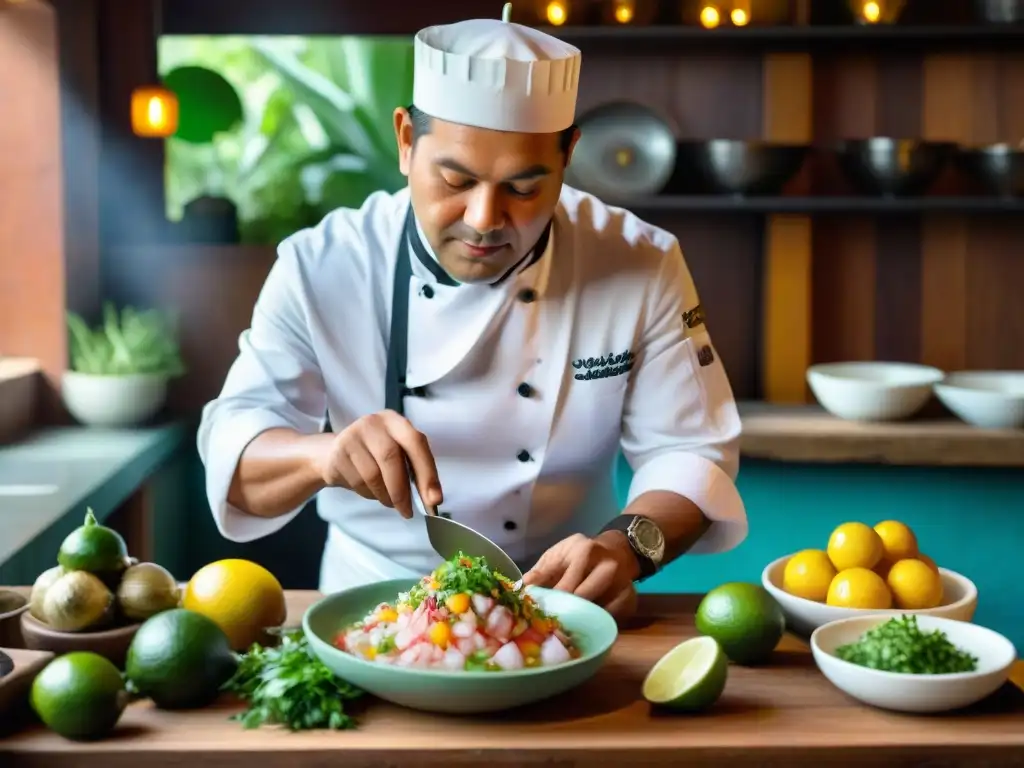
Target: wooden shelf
[[824, 204], [808, 434], [893, 38]]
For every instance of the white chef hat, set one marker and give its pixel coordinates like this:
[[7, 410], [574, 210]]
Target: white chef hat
[[495, 74]]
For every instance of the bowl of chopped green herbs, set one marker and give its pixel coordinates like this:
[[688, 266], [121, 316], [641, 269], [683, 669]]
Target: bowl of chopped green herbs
[[913, 663]]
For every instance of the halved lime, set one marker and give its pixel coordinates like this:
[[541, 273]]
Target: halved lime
[[690, 677]]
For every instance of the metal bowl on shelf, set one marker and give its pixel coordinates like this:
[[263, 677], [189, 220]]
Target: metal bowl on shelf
[[998, 168], [1000, 11], [738, 167], [626, 150], [893, 167]]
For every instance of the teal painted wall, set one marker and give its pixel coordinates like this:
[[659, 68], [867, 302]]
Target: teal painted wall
[[968, 520]]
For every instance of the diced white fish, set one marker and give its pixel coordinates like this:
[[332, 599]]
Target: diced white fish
[[508, 657], [553, 652], [500, 623], [466, 645], [482, 605], [404, 639], [464, 628], [454, 659], [479, 641]]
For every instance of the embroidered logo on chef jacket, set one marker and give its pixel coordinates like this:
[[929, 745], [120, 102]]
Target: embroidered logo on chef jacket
[[705, 356], [603, 367]]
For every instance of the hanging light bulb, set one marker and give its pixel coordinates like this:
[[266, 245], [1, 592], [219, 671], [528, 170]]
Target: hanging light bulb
[[556, 12], [740, 14], [624, 11], [154, 112], [710, 17], [871, 11]]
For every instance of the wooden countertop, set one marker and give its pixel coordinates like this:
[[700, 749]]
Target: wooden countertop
[[785, 713], [807, 433]]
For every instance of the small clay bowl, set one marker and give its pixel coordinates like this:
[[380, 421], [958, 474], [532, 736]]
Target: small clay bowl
[[12, 606], [109, 643]]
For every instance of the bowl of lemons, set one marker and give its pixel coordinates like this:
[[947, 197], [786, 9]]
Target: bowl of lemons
[[866, 570]]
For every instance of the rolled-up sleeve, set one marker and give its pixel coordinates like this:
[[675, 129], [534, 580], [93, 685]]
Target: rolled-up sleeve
[[274, 382], [681, 427]]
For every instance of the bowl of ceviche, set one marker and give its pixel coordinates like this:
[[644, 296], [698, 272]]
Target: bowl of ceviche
[[460, 640]]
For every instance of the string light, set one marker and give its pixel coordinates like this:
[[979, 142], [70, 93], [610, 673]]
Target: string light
[[739, 17], [623, 12], [557, 13], [710, 17], [871, 11]]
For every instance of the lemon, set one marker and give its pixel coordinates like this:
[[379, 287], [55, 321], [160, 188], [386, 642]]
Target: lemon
[[690, 677], [914, 585], [854, 545], [243, 598], [927, 561], [859, 588], [898, 541], [808, 575]]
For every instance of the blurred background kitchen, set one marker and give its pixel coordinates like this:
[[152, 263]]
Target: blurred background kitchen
[[845, 177]]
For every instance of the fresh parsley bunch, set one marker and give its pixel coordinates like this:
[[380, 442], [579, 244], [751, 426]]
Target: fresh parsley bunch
[[289, 686]]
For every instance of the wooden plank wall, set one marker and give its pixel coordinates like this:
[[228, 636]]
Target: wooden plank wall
[[938, 289]]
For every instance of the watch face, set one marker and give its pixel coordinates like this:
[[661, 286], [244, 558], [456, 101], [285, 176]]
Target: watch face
[[649, 538]]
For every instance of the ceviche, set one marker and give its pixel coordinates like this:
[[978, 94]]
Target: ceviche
[[463, 616]]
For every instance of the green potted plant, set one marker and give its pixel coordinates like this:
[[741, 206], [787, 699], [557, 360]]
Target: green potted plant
[[121, 368]]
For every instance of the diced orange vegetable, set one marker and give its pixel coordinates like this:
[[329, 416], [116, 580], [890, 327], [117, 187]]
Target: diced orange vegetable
[[387, 614], [541, 625], [434, 584], [458, 603], [440, 634], [371, 653], [528, 648]]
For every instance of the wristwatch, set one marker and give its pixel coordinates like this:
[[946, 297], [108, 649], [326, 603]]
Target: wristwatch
[[645, 539]]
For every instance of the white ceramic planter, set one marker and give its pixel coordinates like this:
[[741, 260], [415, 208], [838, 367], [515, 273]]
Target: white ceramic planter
[[113, 401]]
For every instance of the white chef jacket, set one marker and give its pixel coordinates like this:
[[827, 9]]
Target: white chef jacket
[[595, 327]]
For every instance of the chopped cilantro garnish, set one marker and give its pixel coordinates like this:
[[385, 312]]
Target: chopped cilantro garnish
[[900, 645]]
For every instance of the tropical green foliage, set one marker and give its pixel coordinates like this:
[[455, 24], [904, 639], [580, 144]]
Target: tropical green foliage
[[317, 132]]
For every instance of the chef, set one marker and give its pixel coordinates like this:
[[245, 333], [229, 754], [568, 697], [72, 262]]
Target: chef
[[486, 339]]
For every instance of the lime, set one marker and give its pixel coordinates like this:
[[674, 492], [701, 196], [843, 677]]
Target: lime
[[180, 659], [207, 103], [94, 548], [744, 618], [79, 695], [690, 677]]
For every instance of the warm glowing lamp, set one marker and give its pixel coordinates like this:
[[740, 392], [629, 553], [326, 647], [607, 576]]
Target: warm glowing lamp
[[871, 12], [154, 112], [624, 11], [556, 13], [739, 17], [710, 17]]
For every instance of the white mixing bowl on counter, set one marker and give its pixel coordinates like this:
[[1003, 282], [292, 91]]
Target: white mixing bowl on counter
[[872, 391], [960, 600], [986, 399], [918, 693]]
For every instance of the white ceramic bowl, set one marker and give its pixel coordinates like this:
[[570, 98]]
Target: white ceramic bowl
[[987, 399], [872, 391], [916, 693], [113, 401], [805, 616]]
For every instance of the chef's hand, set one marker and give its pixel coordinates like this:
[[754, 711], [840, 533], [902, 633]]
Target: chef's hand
[[372, 456], [601, 570]]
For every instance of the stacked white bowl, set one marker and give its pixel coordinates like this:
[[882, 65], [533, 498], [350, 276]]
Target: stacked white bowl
[[872, 391]]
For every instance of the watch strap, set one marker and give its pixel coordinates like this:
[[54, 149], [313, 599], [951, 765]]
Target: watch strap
[[622, 524]]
